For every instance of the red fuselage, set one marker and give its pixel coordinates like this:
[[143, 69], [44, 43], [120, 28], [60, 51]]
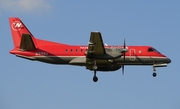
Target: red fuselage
[[57, 53]]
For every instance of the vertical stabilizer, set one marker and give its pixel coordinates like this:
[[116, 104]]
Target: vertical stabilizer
[[18, 29]]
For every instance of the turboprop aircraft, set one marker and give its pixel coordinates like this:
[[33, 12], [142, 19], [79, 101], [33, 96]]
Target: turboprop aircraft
[[96, 56]]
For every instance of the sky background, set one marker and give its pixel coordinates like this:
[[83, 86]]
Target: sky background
[[28, 84]]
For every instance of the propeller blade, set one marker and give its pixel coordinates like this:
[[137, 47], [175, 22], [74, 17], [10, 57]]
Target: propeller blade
[[124, 56], [122, 69], [124, 43], [124, 48]]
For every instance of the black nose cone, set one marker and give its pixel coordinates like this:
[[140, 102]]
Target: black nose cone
[[168, 60]]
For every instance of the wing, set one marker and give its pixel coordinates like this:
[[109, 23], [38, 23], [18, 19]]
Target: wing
[[96, 46]]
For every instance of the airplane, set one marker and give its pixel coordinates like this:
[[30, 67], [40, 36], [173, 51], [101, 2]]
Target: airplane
[[96, 56]]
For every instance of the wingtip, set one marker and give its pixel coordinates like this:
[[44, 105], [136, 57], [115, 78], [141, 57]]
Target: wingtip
[[95, 31]]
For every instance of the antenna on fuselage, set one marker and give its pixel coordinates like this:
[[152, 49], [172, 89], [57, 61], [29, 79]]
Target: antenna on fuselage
[[105, 44]]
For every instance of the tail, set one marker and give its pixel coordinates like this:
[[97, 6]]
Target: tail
[[22, 37]]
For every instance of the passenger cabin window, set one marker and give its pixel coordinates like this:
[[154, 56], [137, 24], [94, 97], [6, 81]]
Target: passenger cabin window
[[152, 50]]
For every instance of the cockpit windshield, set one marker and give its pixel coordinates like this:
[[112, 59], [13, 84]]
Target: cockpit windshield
[[152, 50]]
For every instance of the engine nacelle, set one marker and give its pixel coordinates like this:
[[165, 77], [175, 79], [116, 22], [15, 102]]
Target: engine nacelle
[[109, 68]]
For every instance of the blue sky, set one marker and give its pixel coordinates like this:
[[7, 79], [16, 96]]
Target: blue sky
[[34, 85]]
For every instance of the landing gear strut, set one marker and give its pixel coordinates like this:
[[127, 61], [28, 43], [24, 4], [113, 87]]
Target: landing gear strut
[[95, 78], [154, 71], [95, 66]]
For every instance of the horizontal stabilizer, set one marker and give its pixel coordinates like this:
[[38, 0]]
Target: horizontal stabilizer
[[27, 42]]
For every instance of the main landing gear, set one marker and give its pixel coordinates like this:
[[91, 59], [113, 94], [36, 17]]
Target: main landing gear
[[95, 78], [154, 71]]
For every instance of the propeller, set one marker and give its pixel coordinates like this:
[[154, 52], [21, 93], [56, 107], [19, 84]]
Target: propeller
[[124, 56]]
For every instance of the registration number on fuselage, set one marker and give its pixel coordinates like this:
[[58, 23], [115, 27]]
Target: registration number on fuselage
[[41, 53]]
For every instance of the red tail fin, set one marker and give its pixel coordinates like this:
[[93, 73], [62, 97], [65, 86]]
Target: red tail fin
[[18, 29]]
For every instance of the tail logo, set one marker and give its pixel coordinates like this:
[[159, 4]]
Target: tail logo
[[16, 25]]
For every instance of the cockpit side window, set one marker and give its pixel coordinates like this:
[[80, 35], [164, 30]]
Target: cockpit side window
[[152, 50]]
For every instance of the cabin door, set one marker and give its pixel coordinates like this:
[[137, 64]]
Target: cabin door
[[132, 55]]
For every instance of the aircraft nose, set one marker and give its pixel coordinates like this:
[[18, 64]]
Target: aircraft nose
[[168, 60]]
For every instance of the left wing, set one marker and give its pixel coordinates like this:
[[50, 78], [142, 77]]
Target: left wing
[[96, 46]]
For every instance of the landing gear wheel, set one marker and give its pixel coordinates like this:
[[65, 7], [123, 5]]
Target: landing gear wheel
[[95, 79], [154, 74]]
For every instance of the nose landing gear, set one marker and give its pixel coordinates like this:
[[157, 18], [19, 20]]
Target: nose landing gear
[[154, 71], [154, 74]]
